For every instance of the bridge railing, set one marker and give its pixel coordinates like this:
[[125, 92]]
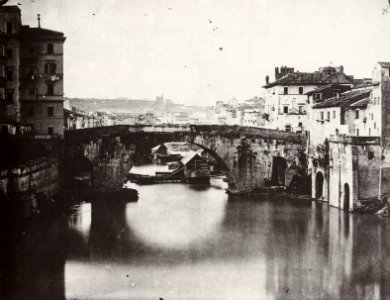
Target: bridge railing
[[225, 130], [159, 128]]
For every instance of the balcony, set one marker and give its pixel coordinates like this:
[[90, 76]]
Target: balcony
[[48, 77]]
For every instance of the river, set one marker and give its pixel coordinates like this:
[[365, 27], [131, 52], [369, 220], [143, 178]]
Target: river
[[184, 241]]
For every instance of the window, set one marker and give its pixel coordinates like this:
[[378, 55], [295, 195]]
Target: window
[[357, 114], [50, 49], [300, 108], [2, 50], [300, 90], [334, 114], [288, 128], [300, 124], [9, 53], [2, 71], [374, 125], [50, 89], [357, 132], [31, 111], [285, 109], [50, 68], [372, 116], [9, 28], [50, 130], [10, 73], [9, 95], [369, 131], [285, 90], [328, 116], [322, 116], [318, 96], [50, 111], [370, 155], [2, 95]]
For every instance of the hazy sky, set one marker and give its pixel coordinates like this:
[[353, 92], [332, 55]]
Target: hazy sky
[[200, 51]]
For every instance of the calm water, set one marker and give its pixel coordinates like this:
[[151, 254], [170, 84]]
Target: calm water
[[193, 242]]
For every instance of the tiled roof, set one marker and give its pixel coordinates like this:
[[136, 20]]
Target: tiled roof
[[384, 64], [362, 85], [345, 99], [9, 8], [321, 88], [361, 103], [316, 78], [186, 159], [41, 33]]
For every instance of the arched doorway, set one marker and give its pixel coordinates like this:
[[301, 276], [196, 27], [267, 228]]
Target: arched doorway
[[319, 185], [80, 172], [279, 165], [346, 197]]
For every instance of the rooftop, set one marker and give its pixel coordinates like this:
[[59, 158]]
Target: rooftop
[[345, 100], [186, 159], [314, 78], [360, 103], [384, 64], [37, 33], [9, 8]]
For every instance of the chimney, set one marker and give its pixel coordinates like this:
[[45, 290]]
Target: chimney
[[266, 79], [39, 21], [340, 69]]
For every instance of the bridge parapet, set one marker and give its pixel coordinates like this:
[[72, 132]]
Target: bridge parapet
[[256, 132]]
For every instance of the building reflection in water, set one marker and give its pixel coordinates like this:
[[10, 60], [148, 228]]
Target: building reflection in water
[[175, 223], [32, 259], [80, 220], [178, 243]]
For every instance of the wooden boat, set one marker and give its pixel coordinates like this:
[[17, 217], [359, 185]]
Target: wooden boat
[[265, 191]]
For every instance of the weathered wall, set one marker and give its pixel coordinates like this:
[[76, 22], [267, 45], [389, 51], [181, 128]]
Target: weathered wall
[[43, 177], [3, 180], [250, 158], [385, 163], [354, 161]]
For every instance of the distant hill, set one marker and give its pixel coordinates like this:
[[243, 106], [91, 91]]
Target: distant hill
[[131, 106]]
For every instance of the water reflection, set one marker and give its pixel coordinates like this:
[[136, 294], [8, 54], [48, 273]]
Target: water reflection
[[80, 220], [183, 217], [182, 243]]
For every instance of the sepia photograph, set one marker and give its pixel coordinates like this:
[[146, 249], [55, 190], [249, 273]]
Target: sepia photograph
[[194, 149]]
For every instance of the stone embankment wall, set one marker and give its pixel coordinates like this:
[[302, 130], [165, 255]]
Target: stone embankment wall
[[41, 177]]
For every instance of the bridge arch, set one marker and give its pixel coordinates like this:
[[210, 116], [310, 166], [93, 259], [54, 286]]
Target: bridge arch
[[80, 171], [346, 197], [244, 153]]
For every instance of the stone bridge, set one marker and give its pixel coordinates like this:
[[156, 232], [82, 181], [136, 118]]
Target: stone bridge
[[251, 157]]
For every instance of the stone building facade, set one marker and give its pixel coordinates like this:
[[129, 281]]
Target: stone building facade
[[31, 74], [286, 97], [10, 29], [349, 149]]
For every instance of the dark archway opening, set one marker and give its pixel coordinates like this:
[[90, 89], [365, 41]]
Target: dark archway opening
[[346, 197], [319, 185], [80, 172], [278, 177]]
